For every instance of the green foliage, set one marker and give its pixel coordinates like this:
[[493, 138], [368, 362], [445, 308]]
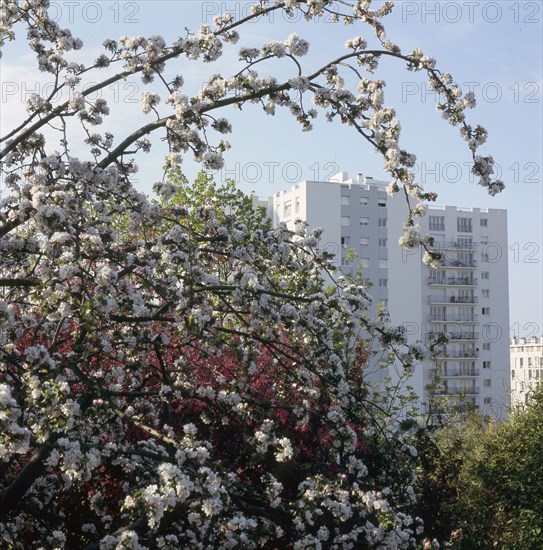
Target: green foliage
[[502, 483], [441, 460], [481, 484], [226, 201]]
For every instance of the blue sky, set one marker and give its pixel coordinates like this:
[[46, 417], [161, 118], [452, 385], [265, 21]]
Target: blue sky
[[493, 47]]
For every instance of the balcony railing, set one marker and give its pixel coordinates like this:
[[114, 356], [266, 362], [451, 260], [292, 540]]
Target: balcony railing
[[450, 262], [464, 299], [460, 408], [453, 336], [474, 390], [462, 355], [452, 318], [433, 299], [456, 281], [452, 373], [441, 246]]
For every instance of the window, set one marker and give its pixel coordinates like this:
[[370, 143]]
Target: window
[[383, 283], [488, 400], [484, 222], [364, 241], [345, 261], [297, 205], [382, 204], [383, 263], [486, 347], [463, 225], [437, 223], [484, 275], [521, 362], [364, 222], [513, 374], [466, 259], [345, 220], [345, 241], [364, 201], [486, 293], [382, 243], [287, 209], [438, 313], [486, 364], [438, 277], [484, 258], [382, 222], [345, 200], [485, 311], [487, 382]]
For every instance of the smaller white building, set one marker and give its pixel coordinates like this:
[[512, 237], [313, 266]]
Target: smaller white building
[[526, 368]]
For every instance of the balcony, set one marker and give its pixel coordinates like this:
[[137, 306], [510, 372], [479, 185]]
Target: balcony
[[452, 319], [467, 407], [455, 281], [462, 300], [462, 354], [445, 246], [450, 262], [460, 408], [473, 390], [454, 336], [457, 373]]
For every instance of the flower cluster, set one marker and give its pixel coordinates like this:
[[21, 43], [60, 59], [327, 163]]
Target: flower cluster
[[163, 351], [166, 366]]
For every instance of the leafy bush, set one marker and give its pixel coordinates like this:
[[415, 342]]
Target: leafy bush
[[481, 483]]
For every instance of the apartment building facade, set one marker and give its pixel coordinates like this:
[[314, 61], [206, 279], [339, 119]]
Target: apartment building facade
[[467, 297], [346, 211], [526, 368]]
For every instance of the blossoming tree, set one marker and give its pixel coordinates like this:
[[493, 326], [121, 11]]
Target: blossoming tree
[[167, 367]]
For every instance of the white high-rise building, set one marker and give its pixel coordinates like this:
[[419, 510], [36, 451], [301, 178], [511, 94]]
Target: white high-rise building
[[467, 297], [526, 368], [353, 216]]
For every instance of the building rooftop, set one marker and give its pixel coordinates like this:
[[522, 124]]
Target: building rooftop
[[524, 341], [367, 182]]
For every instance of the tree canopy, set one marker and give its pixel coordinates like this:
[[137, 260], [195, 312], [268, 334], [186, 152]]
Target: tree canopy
[[168, 364]]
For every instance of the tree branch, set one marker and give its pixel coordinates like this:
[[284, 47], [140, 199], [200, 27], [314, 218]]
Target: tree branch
[[33, 469]]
